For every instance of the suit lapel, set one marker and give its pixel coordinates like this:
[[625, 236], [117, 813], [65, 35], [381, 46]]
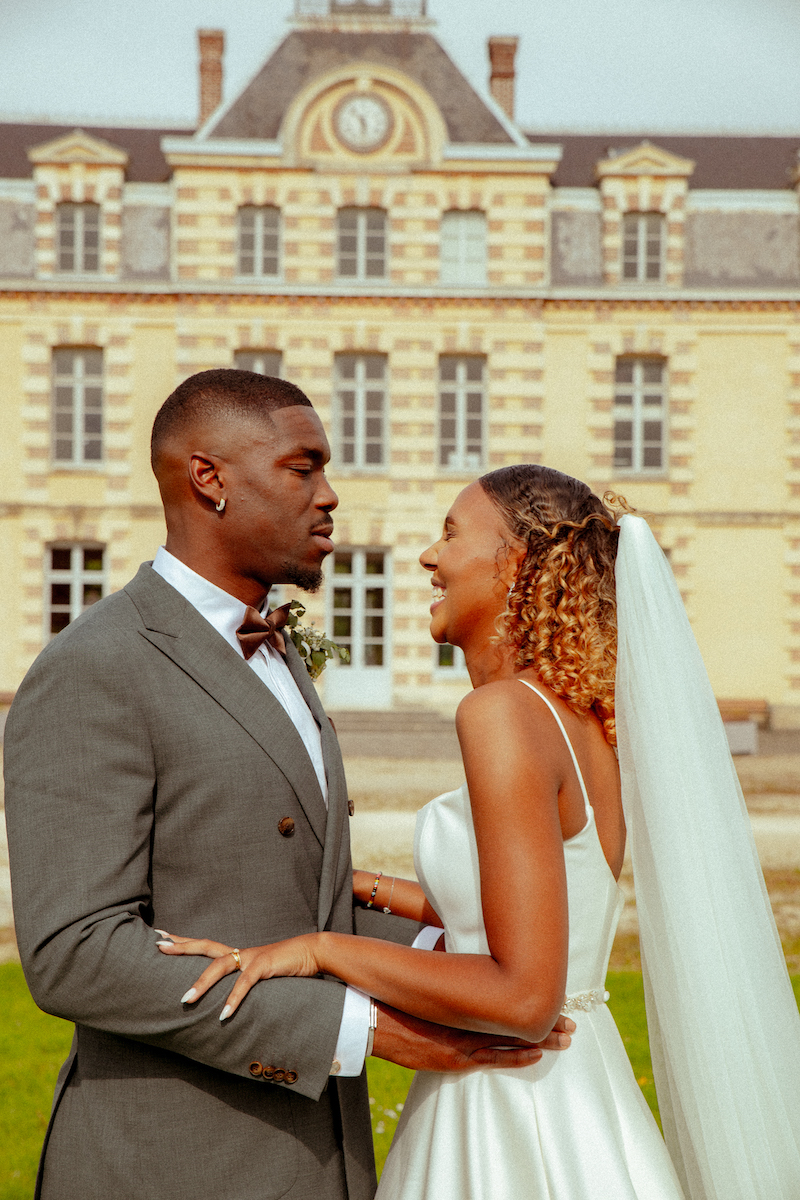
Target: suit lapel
[[337, 788], [178, 630]]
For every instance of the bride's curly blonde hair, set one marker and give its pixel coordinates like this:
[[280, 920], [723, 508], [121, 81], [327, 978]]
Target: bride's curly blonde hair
[[561, 613]]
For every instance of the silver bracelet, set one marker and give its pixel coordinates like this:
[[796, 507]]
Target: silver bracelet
[[373, 1025]]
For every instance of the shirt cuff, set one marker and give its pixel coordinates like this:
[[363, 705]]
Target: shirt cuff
[[427, 938], [351, 1045]]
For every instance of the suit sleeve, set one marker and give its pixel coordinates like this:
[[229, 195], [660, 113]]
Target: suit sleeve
[[80, 787]]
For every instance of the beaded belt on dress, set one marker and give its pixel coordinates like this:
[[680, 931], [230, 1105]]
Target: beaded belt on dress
[[585, 1001]]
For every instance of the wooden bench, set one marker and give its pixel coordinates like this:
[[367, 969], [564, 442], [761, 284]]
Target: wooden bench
[[745, 710]]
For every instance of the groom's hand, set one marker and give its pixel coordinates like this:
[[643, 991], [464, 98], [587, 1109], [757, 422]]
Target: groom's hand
[[424, 1046]]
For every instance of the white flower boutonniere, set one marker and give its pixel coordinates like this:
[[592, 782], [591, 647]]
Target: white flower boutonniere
[[311, 643]]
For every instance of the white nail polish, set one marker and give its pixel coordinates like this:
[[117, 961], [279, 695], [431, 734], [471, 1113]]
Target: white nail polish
[[165, 943], [163, 932], [190, 995], [225, 1012]]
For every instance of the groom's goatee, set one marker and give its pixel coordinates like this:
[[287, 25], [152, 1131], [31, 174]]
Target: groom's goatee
[[307, 578]]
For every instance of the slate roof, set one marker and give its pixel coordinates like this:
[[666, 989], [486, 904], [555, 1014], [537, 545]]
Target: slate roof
[[146, 163], [306, 54], [721, 161]]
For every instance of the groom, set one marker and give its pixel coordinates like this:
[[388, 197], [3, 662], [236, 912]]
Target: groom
[[165, 773]]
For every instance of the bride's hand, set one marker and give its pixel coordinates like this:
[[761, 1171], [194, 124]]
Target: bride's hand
[[296, 956]]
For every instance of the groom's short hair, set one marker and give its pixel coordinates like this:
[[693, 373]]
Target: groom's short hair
[[220, 394]]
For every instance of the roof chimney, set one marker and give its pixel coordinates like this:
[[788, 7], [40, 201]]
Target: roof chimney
[[502, 51], [212, 46]]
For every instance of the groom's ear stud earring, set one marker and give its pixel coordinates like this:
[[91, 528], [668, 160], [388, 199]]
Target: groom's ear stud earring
[[220, 507]]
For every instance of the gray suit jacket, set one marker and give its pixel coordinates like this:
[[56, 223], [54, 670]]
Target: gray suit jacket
[[147, 770]]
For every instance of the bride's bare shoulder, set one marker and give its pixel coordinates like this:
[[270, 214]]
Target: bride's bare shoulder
[[502, 711]]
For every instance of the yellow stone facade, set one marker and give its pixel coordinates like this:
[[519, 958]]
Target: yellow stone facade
[[726, 505]]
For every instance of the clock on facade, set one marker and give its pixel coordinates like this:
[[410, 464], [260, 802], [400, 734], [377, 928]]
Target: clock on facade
[[362, 122]]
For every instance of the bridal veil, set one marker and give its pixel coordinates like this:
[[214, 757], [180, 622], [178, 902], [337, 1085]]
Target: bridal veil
[[724, 1026]]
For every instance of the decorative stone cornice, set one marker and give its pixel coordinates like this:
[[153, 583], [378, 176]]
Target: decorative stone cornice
[[78, 147]]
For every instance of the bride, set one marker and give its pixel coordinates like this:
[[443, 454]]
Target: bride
[[551, 598]]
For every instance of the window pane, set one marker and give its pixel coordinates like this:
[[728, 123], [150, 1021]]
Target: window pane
[[374, 564], [446, 655], [461, 427], [92, 560], [342, 598], [60, 559], [624, 370], [60, 593], [58, 621], [92, 592], [343, 563], [373, 656]]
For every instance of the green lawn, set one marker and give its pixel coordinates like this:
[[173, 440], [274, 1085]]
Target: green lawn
[[33, 1046]]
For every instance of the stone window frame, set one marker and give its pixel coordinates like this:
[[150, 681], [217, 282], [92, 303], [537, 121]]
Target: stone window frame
[[639, 412], [362, 245], [358, 626], [640, 250], [455, 450], [81, 240], [361, 423], [77, 417], [262, 259], [71, 585], [463, 248]]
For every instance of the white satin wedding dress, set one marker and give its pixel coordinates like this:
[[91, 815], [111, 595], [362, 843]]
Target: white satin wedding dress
[[574, 1126]]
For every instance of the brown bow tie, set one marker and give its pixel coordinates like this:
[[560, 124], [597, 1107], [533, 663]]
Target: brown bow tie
[[255, 629]]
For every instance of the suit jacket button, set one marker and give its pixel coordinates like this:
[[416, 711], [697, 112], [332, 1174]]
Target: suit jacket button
[[279, 1076], [290, 1077], [255, 1069], [286, 827], [268, 1073]]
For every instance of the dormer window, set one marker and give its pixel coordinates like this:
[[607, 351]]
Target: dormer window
[[78, 237], [642, 247]]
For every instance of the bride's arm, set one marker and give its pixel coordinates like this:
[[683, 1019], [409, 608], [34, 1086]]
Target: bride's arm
[[514, 768], [402, 897]]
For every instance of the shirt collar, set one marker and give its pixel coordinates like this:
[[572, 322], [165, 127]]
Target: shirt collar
[[221, 610]]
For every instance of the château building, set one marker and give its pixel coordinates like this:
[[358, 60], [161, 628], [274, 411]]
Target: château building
[[453, 292]]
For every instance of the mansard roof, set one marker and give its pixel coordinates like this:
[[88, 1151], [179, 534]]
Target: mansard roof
[[721, 161], [307, 53], [146, 163]]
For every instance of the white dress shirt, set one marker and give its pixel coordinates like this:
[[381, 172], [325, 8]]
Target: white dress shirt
[[225, 613]]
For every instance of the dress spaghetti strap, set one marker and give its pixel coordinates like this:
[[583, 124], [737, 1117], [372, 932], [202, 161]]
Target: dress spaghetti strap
[[560, 724]]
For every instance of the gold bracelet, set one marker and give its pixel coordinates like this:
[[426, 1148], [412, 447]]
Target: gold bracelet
[[371, 900], [388, 907]]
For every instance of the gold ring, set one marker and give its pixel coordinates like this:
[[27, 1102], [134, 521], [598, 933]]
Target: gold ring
[[236, 958]]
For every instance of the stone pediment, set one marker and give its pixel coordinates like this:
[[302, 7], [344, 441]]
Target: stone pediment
[[78, 147], [644, 159]]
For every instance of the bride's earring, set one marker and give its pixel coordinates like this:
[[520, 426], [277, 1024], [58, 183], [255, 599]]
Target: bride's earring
[[221, 506]]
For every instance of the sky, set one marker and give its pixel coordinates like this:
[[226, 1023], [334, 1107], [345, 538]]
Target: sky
[[669, 66]]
